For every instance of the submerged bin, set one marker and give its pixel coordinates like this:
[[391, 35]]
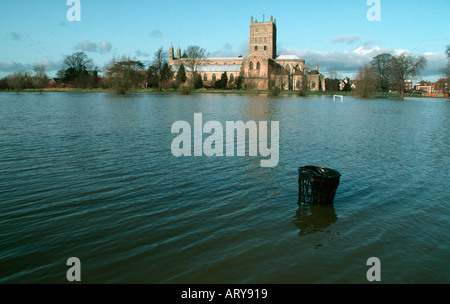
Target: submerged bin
[[317, 185]]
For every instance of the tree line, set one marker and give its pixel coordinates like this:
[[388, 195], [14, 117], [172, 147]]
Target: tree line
[[389, 73], [384, 73], [119, 74], [17, 81]]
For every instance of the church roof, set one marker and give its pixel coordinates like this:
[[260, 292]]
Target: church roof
[[215, 58], [223, 58], [287, 57], [213, 68], [220, 68]]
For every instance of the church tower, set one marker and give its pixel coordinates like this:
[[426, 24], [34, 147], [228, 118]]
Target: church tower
[[263, 38], [171, 56]]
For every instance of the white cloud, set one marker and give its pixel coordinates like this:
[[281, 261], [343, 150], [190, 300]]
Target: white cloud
[[370, 42], [228, 50], [12, 66], [86, 46], [228, 47], [401, 51], [50, 65], [104, 46], [16, 36], [156, 34], [436, 62], [366, 51], [346, 39], [142, 54], [347, 63], [101, 47]]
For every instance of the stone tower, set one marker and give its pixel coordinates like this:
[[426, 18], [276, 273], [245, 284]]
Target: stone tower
[[178, 52], [263, 38]]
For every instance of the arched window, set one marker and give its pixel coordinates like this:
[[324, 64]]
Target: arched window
[[256, 47], [214, 77], [231, 77], [265, 48], [205, 77], [313, 85], [258, 66], [251, 65]]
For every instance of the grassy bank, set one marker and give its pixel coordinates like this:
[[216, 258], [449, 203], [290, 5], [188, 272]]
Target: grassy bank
[[214, 91]]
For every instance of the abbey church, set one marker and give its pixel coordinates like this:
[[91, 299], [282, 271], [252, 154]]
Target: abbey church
[[261, 69]]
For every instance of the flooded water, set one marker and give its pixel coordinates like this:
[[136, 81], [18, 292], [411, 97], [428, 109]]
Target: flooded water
[[93, 176]]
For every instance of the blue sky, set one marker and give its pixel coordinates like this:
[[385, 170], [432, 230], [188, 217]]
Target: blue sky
[[336, 34]]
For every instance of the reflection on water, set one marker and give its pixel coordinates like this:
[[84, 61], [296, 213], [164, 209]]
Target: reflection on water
[[314, 218]]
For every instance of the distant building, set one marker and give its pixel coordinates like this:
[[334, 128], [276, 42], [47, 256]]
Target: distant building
[[261, 69], [408, 85], [53, 81], [425, 86], [346, 84]]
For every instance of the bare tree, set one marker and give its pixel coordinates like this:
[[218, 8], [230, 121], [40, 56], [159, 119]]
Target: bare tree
[[195, 57], [333, 76], [442, 85], [380, 66], [76, 69], [124, 74], [403, 67], [303, 86], [159, 60], [366, 81], [78, 61], [17, 80], [447, 70], [40, 78]]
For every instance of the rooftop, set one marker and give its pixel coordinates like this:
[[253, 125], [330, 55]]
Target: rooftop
[[213, 68], [288, 57], [216, 58]]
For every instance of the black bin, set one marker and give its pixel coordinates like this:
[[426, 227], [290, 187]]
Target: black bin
[[317, 185]]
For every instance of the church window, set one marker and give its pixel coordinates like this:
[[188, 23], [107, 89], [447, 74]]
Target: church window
[[258, 66], [265, 48], [313, 84], [251, 65], [256, 47]]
